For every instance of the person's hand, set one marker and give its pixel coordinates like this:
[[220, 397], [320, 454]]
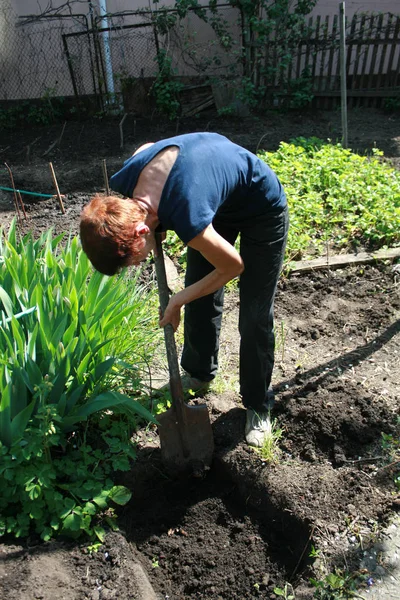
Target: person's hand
[[172, 314]]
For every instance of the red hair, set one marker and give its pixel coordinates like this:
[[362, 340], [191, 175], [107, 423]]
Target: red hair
[[107, 229]]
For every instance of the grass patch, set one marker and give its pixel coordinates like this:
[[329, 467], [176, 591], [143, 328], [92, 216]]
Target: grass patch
[[270, 450]]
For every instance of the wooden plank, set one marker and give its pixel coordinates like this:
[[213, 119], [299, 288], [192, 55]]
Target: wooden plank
[[300, 51], [396, 77], [274, 66], [374, 55], [332, 82], [343, 260], [382, 93], [363, 77], [193, 111], [394, 43], [384, 50], [321, 78], [349, 50], [266, 80], [356, 79], [308, 45], [315, 44], [337, 75]]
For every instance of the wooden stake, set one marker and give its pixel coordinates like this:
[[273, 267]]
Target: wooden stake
[[22, 204], [15, 192], [121, 131], [57, 188], [106, 177]]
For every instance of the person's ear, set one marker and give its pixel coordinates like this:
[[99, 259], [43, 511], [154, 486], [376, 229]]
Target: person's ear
[[141, 229]]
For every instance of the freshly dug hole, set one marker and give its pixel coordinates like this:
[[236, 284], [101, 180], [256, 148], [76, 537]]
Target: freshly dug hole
[[201, 540]]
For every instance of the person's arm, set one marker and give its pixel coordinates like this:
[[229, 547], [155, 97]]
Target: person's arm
[[227, 262]]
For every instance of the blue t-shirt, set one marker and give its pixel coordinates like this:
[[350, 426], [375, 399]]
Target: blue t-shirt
[[211, 178]]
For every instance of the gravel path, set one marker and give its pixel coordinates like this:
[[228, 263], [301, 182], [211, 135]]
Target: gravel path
[[383, 562]]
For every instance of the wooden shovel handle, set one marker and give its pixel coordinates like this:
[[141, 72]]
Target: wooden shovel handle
[[173, 365]]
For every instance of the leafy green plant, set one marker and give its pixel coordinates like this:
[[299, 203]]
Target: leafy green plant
[[314, 552], [47, 110], [391, 104], [166, 88], [53, 483], [301, 91], [58, 334], [391, 447], [44, 111], [337, 195], [286, 592], [71, 341], [175, 247], [337, 586]]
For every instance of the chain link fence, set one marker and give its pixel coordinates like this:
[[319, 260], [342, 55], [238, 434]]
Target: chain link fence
[[64, 55], [82, 55], [32, 55]]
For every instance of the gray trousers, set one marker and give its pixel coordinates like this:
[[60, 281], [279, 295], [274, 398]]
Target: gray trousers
[[262, 247]]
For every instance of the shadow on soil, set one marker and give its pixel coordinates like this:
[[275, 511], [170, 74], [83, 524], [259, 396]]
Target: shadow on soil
[[345, 361]]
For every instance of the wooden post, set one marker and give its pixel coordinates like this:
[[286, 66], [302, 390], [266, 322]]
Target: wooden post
[[343, 84], [15, 192], [57, 188], [105, 177]]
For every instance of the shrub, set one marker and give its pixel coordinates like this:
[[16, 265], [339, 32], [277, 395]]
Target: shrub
[[68, 338]]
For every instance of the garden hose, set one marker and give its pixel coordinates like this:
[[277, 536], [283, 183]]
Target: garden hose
[[7, 189]]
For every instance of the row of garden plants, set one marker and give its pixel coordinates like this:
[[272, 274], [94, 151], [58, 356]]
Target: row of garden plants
[[75, 345]]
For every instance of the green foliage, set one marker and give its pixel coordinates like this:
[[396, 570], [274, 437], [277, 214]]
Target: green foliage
[[63, 337], [68, 340], [314, 552], [280, 23], [165, 88], [336, 196], [46, 111], [391, 447], [391, 104], [301, 91], [175, 247], [52, 483], [270, 450], [287, 592], [337, 586]]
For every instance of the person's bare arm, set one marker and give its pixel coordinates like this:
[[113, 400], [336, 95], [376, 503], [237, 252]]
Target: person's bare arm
[[227, 262]]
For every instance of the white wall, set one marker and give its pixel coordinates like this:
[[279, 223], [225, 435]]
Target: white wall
[[327, 7]]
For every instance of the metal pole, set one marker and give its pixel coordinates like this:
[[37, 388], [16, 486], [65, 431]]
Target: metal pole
[[107, 49], [343, 82]]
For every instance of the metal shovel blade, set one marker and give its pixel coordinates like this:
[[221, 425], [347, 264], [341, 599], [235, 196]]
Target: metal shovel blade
[[189, 449], [186, 437]]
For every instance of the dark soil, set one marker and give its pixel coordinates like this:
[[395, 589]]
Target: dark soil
[[247, 526]]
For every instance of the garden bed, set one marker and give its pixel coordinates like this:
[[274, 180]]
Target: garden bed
[[248, 526]]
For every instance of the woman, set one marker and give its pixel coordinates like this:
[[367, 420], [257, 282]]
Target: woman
[[208, 190]]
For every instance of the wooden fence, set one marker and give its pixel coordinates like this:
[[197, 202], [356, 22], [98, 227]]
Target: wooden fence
[[310, 64]]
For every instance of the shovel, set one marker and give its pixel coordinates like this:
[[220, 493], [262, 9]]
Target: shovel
[[186, 437]]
